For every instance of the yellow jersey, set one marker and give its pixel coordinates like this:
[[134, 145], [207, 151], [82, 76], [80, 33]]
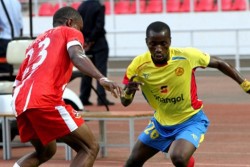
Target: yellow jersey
[[170, 89]]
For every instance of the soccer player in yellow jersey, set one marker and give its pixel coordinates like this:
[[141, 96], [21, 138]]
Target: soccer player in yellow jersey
[[166, 77]]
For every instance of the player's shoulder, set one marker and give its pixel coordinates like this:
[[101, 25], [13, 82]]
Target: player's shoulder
[[187, 52], [142, 59], [184, 50]]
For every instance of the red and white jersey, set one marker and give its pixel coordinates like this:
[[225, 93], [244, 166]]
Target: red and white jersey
[[46, 70]]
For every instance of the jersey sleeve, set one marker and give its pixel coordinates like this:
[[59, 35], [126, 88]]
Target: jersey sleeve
[[135, 66], [73, 37], [131, 70], [197, 58], [129, 73]]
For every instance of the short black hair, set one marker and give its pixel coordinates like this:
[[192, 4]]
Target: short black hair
[[65, 13], [158, 26]]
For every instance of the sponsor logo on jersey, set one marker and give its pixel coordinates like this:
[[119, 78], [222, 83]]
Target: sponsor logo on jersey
[[173, 100], [164, 89]]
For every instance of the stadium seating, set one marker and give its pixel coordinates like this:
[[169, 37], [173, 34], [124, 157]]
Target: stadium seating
[[185, 6], [205, 6], [46, 9], [173, 6], [154, 6], [107, 7], [58, 6], [178, 6], [122, 7], [226, 5], [75, 5], [233, 5], [133, 7], [239, 5], [142, 6]]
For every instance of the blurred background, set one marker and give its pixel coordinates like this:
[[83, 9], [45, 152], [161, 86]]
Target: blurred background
[[219, 27]]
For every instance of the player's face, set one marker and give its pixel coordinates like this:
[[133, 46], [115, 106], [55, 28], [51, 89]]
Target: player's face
[[158, 44]]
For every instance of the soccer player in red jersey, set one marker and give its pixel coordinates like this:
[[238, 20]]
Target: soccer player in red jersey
[[42, 115], [166, 76]]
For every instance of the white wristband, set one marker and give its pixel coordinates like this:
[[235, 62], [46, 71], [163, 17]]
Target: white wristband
[[16, 165], [103, 79]]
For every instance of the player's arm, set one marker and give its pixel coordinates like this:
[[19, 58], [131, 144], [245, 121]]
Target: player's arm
[[230, 71], [84, 64], [129, 91]]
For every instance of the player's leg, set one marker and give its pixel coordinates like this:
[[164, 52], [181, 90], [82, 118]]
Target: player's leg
[[190, 135], [84, 143], [148, 144], [181, 152], [39, 156], [191, 162], [27, 133], [140, 154], [78, 136]]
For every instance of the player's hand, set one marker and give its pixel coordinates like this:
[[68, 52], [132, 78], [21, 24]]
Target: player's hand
[[245, 85], [111, 86], [132, 85]]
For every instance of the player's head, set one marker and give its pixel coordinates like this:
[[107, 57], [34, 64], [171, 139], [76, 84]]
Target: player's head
[[158, 39], [68, 16]]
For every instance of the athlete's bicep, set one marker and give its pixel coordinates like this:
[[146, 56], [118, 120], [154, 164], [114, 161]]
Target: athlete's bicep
[[79, 59], [75, 51], [215, 62]]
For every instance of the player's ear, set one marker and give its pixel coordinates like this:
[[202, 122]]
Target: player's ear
[[69, 22]]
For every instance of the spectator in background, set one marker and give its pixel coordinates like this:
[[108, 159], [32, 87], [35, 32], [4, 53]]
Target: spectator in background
[[10, 14], [96, 46]]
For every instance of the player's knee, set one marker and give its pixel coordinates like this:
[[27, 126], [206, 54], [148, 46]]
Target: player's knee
[[95, 148], [179, 160], [133, 162], [46, 154], [92, 149]]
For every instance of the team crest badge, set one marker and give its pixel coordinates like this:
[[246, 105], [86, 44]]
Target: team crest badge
[[179, 71]]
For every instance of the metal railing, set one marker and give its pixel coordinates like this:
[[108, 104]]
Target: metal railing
[[235, 47]]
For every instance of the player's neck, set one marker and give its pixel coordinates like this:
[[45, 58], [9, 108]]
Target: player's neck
[[160, 64]]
